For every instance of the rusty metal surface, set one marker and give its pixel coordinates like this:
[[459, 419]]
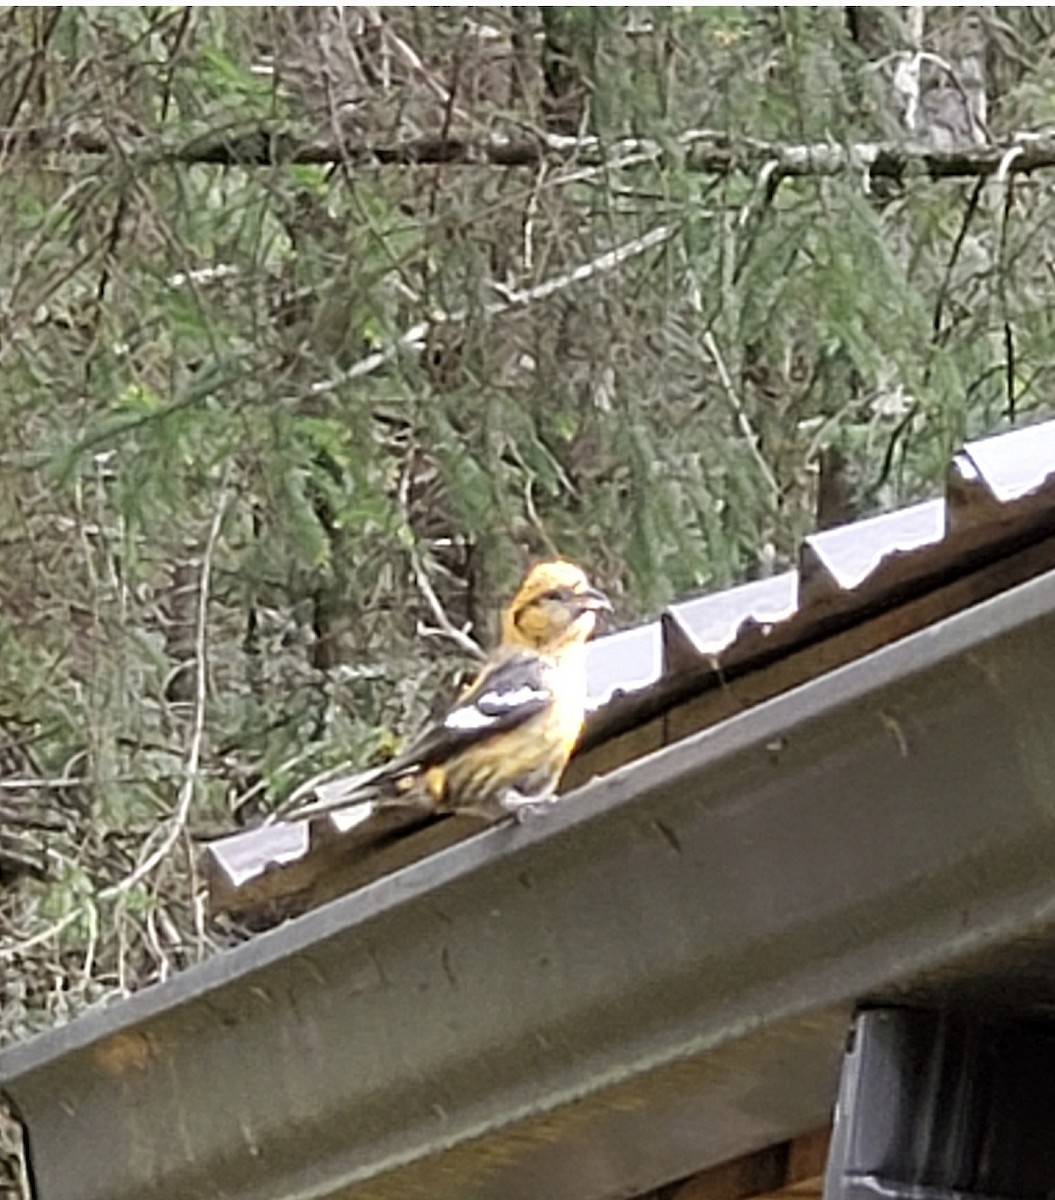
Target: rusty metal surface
[[1000, 496], [654, 979]]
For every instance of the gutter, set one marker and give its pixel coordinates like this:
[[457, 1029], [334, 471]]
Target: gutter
[[655, 978]]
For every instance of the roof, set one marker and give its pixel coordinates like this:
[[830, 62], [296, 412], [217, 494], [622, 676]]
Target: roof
[[658, 977], [857, 587]]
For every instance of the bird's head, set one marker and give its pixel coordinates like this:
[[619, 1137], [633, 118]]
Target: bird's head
[[556, 607]]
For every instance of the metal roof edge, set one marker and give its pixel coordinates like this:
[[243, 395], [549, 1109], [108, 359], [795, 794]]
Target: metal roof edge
[[652, 978], [999, 500], [842, 686]]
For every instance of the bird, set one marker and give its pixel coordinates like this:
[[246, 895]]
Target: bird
[[502, 746]]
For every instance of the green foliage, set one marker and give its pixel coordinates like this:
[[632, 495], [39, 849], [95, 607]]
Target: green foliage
[[199, 360]]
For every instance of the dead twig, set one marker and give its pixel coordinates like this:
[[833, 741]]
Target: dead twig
[[512, 298], [446, 627], [957, 246]]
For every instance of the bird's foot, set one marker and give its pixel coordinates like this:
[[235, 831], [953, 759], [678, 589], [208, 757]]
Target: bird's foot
[[526, 808]]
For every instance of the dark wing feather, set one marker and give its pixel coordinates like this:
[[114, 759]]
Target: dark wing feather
[[504, 695], [507, 693]]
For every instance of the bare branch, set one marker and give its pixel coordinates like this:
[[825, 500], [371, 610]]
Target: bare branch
[[742, 420], [446, 627], [178, 821], [597, 266], [704, 150], [511, 298], [957, 246]]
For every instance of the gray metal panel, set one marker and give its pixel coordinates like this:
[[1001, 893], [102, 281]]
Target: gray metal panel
[[654, 978]]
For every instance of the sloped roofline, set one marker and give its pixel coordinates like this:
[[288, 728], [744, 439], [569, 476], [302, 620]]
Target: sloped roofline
[[657, 978]]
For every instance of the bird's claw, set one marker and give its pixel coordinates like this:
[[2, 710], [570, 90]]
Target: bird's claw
[[526, 808]]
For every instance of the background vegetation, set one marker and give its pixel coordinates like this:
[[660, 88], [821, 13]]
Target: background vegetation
[[316, 324]]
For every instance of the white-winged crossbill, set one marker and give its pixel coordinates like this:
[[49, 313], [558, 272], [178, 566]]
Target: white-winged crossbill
[[503, 746]]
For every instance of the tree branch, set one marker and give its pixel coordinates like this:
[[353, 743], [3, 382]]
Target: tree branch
[[511, 298], [703, 150]]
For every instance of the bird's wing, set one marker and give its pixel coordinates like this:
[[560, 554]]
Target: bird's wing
[[509, 691]]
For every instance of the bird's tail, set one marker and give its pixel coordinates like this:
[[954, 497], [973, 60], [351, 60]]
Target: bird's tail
[[331, 792]]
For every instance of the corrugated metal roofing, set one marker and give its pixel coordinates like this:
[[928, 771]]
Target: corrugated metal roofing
[[1000, 497], [656, 978]]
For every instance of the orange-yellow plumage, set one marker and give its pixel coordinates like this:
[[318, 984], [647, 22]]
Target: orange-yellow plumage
[[505, 742]]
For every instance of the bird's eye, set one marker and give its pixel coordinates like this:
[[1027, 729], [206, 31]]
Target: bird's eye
[[557, 595]]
